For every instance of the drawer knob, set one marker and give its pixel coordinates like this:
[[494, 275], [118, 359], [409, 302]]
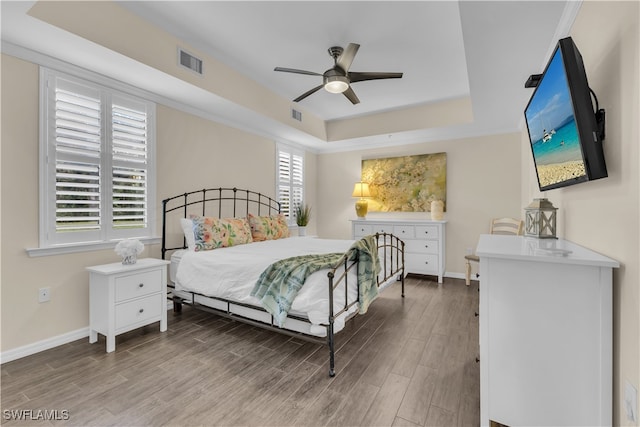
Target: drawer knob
[[141, 285], [426, 262], [141, 310], [402, 231], [426, 232], [426, 246]]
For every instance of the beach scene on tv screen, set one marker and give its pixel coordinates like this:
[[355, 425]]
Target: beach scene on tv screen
[[552, 128]]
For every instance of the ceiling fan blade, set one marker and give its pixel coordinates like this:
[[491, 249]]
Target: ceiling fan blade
[[307, 93], [359, 77], [344, 61], [293, 70], [351, 95]]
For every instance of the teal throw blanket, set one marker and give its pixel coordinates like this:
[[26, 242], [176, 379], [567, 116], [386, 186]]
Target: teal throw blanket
[[279, 284]]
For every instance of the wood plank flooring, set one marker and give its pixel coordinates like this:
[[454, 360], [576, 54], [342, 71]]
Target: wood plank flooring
[[407, 362]]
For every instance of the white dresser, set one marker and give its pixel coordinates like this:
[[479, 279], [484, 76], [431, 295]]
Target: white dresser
[[126, 297], [424, 241], [545, 333]]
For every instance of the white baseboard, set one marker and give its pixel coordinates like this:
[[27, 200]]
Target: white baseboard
[[46, 344], [454, 275]]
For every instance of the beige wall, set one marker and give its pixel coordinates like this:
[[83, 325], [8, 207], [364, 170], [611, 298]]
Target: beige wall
[[192, 153], [604, 215], [24, 321], [483, 181], [195, 153]]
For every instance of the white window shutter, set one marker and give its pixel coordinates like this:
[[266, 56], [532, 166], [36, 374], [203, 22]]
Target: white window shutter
[[290, 166], [129, 168], [98, 178], [297, 180], [76, 154]]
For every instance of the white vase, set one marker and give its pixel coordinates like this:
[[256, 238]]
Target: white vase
[[130, 259], [302, 230]]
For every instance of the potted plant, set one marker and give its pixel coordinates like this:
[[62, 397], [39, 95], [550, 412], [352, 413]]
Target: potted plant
[[303, 214]]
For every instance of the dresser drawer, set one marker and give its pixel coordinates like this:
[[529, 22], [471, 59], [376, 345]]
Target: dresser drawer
[[421, 263], [137, 285], [382, 228], [404, 231], [421, 246], [426, 231], [361, 230], [138, 311]]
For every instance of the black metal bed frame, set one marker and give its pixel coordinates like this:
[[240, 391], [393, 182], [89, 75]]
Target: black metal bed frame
[[239, 202]]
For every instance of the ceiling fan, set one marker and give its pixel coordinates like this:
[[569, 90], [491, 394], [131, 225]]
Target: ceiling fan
[[338, 79]]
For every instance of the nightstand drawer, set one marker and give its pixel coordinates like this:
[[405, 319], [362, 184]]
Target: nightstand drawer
[[362, 230], [421, 246], [137, 285], [426, 231], [404, 231], [137, 311]]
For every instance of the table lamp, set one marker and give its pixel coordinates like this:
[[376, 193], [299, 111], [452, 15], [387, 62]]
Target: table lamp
[[361, 191]]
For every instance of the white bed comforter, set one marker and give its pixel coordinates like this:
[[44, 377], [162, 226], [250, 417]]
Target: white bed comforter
[[231, 273]]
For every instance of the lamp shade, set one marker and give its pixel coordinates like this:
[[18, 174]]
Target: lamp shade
[[361, 189]]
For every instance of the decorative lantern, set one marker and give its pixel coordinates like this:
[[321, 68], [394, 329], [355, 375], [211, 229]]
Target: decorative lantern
[[540, 219]]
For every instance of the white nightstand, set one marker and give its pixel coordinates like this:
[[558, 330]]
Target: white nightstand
[[126, 297]]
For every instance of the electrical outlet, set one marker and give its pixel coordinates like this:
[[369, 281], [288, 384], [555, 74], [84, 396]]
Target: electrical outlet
[[631, 401], [469, 251], [44, 294]]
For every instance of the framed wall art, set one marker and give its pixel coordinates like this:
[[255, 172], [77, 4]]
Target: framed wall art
[[407, 183]]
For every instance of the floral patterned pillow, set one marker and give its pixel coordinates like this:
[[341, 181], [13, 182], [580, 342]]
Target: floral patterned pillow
[[211, 233], [270, 227]]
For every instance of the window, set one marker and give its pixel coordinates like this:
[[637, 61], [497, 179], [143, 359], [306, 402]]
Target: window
[[97, 163], [290, 166]]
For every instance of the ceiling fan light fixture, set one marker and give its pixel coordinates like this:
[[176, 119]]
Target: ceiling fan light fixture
[[336, 84], [338, 78]]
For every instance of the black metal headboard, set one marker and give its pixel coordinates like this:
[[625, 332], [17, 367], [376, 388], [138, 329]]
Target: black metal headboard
[[218, 202]]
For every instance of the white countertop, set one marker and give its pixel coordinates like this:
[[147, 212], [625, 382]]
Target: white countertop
[[540, 250]]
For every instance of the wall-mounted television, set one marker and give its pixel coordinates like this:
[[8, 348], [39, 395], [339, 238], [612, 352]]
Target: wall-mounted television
[[565, 131]]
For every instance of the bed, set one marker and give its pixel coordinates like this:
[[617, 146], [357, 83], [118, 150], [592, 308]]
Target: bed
[[239, 276]]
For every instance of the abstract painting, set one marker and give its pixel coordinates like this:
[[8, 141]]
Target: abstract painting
[[406, 184]]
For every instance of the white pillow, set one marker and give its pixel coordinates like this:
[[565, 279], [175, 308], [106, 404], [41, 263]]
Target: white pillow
[[187, 229]]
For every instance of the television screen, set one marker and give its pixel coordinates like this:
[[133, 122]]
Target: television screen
[[562, 124]]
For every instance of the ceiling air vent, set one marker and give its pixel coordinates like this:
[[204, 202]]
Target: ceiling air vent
[[296, 115], [189, 61]]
